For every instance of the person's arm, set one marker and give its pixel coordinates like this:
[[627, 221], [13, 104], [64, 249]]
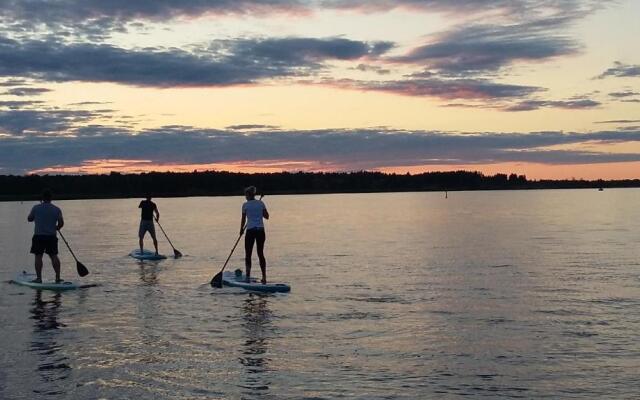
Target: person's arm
[[265, 213], [31, 217], [60, 221], [242, 222], [155, 209]]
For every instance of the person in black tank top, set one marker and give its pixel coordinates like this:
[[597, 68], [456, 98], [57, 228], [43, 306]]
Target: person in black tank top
[[148, 208]]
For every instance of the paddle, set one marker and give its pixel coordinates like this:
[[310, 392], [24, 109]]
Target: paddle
[[82, 270], [216, 281], [176, 253]]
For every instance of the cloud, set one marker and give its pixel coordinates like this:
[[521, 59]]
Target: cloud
[[229, 62], [97, 19], [16, 104], [13, 82], [576, 104], [338, 149], [249, 127], [625, 93], [372, 68], [618, 121], [621, 70], [445, 89], [68, 12], [90, 103], [523, 9], [302, 50], [19, 121], [489, 48], [26, 91]]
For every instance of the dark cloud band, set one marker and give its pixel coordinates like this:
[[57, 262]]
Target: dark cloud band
[[488, 48], [446, 89], [223, 63], [331, 149]]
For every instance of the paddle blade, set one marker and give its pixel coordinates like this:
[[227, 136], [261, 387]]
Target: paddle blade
[[177, 253], [216, 281], [82, 270]]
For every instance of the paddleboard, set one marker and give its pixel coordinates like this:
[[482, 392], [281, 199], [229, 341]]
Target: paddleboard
[[25, 279], [238, 280], [146, 255]]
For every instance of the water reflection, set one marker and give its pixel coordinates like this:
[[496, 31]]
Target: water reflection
[[52, 367], [150, 313], [256, 326], [149, 274]]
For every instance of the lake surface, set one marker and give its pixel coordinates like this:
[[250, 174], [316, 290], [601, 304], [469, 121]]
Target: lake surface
[[524, 294]]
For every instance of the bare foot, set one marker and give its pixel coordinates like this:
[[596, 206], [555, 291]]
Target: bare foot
[[37, 280]]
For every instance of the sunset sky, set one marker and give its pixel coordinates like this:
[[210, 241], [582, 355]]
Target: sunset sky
[[546, 88]]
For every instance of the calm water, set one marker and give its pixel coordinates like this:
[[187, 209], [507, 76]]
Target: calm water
[[489, 294]]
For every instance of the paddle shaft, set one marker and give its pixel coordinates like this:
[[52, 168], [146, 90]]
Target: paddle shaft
[[230, 254], [165, 235], [82, 270], [68, 247]]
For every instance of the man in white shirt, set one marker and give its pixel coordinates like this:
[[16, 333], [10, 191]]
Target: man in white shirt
[[253, 212], [48, 220]]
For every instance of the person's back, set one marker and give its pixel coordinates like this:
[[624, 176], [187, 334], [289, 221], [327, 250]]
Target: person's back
[[48, 220], [147, 208], [254, 210], [46, 217]]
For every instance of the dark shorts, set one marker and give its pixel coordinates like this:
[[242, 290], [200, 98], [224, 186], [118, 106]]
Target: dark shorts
[[146, 226], [41, 244]]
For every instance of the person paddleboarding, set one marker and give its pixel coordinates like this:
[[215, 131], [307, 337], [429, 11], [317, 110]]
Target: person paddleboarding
[[48, 221], [148, 208], [253, 212]]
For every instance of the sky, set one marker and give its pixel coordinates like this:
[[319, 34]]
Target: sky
[[544, 88]]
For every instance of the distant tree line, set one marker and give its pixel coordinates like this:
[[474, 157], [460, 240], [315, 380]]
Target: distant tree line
[[220, 183]]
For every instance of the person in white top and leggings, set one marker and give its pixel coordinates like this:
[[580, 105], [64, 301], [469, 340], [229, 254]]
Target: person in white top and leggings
[[253, 212]]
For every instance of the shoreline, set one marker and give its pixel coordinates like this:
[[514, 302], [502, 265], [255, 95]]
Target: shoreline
[[221, 183], [13, 198]]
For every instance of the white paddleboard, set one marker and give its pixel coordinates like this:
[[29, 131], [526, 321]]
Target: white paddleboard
[[146, 255], [231, 279], [25, 279]]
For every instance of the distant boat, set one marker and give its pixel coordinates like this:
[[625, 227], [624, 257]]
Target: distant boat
[[600, 189]]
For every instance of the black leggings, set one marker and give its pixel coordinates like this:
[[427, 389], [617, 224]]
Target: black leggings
[[258, 236]]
